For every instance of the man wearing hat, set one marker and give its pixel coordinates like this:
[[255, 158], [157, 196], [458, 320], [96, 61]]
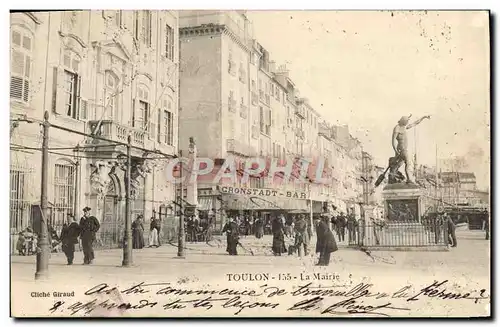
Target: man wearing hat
[[89, 225], [69, 237], [325, 243], [400, 142]]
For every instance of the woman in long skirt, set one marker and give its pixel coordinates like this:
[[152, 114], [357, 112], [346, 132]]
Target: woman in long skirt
[[153, 234], [138, 233], [278, 237]]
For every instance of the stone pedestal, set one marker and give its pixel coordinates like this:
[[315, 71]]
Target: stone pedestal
[[402, 203]]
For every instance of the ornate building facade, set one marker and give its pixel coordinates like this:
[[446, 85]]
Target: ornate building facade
[[112, 74]]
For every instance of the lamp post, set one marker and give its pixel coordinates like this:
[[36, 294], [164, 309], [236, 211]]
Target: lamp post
[[181, 236], [42, 256], [127, 246]]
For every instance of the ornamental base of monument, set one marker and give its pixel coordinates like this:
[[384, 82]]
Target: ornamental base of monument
[[402, 228]]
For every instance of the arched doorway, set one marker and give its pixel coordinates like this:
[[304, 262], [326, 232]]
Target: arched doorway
[[112, 222]]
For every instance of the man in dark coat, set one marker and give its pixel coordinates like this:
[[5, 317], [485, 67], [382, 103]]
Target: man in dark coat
[[301, 236], [452, 238], [231, 230], [325, 243], [341, 223], [89, 226], [278, 230], [351, 226], [69, 237]]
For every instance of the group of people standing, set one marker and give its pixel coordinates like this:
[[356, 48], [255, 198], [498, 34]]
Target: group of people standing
[[138, 233], [302, 231], [342, 223], [85, 230]]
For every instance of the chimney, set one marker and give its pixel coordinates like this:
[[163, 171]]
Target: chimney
[[272, 66]]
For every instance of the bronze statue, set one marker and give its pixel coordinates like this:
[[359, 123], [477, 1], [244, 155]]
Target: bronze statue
[[400, 145]]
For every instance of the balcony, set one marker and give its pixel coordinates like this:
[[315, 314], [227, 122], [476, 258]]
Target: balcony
[[240, 148], [243, 111], [115, 132], [300, 113]]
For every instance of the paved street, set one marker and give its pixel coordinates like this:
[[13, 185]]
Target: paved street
[[470, 257], [207, 267]]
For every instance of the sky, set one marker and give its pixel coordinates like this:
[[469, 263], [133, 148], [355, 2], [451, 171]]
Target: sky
[[367, 69]]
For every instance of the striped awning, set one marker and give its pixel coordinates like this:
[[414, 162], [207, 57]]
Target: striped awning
[[204, 203], [245, 202]]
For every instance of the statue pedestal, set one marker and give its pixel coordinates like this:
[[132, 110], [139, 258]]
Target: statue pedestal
[[402, 203]]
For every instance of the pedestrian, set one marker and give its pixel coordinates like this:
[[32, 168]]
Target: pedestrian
[[69, 237], [301, 236], [486, 224], [259, 227], [325, 243], [138, 233], [277, 229], [89, 226], [232, 234], [452, 238], [351, 227], [341, 224], [153, 233]]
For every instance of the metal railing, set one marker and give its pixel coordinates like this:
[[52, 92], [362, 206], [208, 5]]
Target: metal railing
[[400, 234]]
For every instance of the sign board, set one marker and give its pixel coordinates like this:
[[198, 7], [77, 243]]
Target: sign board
[[262, 192]]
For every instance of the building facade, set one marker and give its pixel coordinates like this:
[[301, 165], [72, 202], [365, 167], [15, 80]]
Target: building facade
[[111, 74], [236, 101]]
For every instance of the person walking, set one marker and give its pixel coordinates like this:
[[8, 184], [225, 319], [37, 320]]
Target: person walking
[[452, 238], [325, 243], [69, 237], [153, 233], [341, 223], [301, 236], [351, 227], [259, 228], [138, 233], [89, 226], [277, 228], [232, 234]]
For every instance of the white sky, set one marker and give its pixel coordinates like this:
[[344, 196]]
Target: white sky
[[367, 69]]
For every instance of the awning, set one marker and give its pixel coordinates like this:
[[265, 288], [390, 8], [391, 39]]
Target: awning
[[205, 203], [245, 202]]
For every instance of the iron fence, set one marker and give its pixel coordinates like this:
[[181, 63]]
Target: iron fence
[[400, 234]]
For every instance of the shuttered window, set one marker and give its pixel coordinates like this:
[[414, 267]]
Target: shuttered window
[[169, 43], [21, 61], [141, 110], [167, 133]]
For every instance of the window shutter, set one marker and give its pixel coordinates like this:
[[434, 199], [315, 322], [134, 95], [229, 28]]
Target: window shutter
[[159, 126], [55, 72], [152, 130], [78, 98], [134, 108], [146, 123]]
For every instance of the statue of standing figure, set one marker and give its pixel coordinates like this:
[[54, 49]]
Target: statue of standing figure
[[400, 146]]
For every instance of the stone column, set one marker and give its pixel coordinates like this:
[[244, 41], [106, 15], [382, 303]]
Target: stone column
[[192, 186]]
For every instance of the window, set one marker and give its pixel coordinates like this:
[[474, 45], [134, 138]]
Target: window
[[168, 125], [19, 206], [64, 178], [262, 123], [118, 18], [70, 86], [136, 25], [21, 55], [111, 96], [169, 43], [166, 131], [141, 112], [146, 27]]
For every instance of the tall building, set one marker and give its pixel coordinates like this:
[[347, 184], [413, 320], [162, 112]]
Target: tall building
[[112, 74], [236, 101]]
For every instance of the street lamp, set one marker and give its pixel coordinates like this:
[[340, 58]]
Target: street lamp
[[127, 246], [42, 255]]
